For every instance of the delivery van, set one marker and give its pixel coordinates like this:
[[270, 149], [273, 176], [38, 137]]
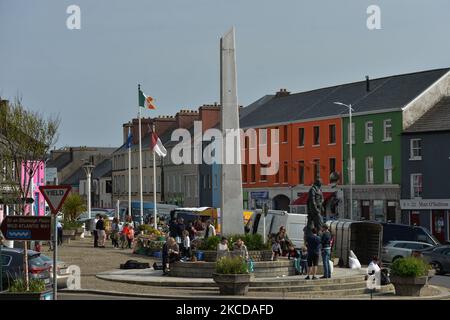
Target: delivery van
[[294, 223]]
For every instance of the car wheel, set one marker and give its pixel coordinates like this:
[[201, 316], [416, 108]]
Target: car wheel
[[396, 258], [438, 267]]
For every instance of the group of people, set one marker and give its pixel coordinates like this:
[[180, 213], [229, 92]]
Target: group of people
[[121, 235], [194, 229], [306, 260]]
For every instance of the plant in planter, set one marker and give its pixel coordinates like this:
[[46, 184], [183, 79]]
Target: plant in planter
[[232, 276], [18, 290], [409, 275], [72, 209]]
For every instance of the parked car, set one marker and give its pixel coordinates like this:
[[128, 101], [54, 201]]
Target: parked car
[[12, 266], [438, 257], [400, 232], [401, 249], [62, 272]]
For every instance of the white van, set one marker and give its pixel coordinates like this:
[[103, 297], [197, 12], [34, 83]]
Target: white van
[[294, 223]]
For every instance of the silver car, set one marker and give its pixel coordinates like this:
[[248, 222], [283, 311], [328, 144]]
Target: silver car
[[439, 258], [401, 249]]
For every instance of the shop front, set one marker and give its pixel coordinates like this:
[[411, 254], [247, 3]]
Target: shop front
[[432, 214]]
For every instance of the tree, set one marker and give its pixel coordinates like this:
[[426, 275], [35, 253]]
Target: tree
[[73, 206], [25, 139]]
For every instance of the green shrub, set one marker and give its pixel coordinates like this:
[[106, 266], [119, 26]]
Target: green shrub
[[410, 267], [72, 225], [18, 285], [231, 265], [209, 244]]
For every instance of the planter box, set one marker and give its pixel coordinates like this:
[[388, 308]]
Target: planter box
[[408, 286], [45, 295], [232, 284]]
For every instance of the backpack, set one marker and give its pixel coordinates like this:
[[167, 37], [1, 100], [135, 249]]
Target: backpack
[[133, 264]]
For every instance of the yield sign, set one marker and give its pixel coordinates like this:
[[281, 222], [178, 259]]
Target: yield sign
[[55, 196]]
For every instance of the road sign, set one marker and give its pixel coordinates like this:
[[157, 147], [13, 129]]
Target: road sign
[[26, 228], [55, 196]]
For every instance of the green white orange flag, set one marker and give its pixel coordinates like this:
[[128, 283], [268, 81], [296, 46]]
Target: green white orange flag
[[146, 101]]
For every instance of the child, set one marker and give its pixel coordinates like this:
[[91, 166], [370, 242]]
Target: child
[[186, 245], [276, 250], [304, 261], [294, 254], [130, 236], [124, 235]]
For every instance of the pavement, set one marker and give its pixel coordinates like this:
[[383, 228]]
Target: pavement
[[105, 263]]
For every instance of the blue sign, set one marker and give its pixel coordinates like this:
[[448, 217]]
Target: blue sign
[[259, 195], [19, 234]]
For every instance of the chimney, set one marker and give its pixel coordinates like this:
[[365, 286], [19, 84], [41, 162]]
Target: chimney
[[367, 84], [209, 116], [282, 93], [185, 118]]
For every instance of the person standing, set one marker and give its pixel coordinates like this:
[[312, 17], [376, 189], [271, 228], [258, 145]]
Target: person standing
[[180, 229], [101, 233], [59, 228], [186, 246], [304, 261], [130, 236], [222, 248], [115, 230], [241, 249], [210, 230], [313, 244], [326, 251], [94, 230]]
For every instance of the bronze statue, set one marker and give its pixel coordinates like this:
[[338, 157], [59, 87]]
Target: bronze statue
[[315, 208]]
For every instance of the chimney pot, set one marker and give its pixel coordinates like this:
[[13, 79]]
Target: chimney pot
[[367, 84]]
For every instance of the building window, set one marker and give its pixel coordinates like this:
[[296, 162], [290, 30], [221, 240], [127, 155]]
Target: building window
[[286, 173], [285, 134], [369, 132], [301, 137], [246, 143], [316, 169], [387, 130], [415, 149], [369, 170], [188, 188], [378, 210], [332, 129], [332, 165], [277, 176], [387, 169], [244, 173], [253, 173], [301, 172], [416, 185], [316, 137]]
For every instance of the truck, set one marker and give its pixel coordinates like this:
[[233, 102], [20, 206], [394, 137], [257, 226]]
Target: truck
[[294, 223]]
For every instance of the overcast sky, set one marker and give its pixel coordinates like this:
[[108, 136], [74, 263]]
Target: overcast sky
[[89, 76]]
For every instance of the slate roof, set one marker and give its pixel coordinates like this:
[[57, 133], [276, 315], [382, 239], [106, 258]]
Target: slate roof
[[60, 162], [435, 119], [74, 178], [393, 92], [103, 169]]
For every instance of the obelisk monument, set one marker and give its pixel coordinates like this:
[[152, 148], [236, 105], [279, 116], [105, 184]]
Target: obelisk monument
[[232, 221]]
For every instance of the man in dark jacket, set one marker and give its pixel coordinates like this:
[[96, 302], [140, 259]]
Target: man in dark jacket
[[313, 244], [326, 251]]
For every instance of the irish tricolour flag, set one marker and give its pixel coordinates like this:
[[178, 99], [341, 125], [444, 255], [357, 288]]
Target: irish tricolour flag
[[146, 101]]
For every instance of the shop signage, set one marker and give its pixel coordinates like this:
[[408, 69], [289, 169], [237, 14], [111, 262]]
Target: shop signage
[[424, 204], [260, 194]]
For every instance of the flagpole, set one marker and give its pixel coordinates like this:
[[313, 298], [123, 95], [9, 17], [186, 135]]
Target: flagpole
[[129, 172], [140, 164], [154, 183]]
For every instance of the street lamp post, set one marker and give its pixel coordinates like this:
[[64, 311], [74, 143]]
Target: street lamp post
[[88, 168], [350, 141]]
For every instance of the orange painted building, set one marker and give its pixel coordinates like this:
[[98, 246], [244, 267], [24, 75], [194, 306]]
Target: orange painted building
[[306, 150]]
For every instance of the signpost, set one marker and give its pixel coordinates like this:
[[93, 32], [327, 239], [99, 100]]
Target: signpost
[[55, 197]]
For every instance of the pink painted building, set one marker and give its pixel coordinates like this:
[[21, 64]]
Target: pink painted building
[[38, 206]]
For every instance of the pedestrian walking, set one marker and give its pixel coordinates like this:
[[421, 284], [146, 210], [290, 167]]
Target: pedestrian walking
[[130, 236], [59, 228], [115, 233], [186, 246], [101, 233], [94, 230], [326, 251], [210, 230], [313, 244], [124, 235]]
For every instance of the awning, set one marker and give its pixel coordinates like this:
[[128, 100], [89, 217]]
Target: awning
[[302, 200]]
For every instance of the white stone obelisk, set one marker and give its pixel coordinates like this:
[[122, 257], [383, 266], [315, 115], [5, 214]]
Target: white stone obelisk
[[232, 221]]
